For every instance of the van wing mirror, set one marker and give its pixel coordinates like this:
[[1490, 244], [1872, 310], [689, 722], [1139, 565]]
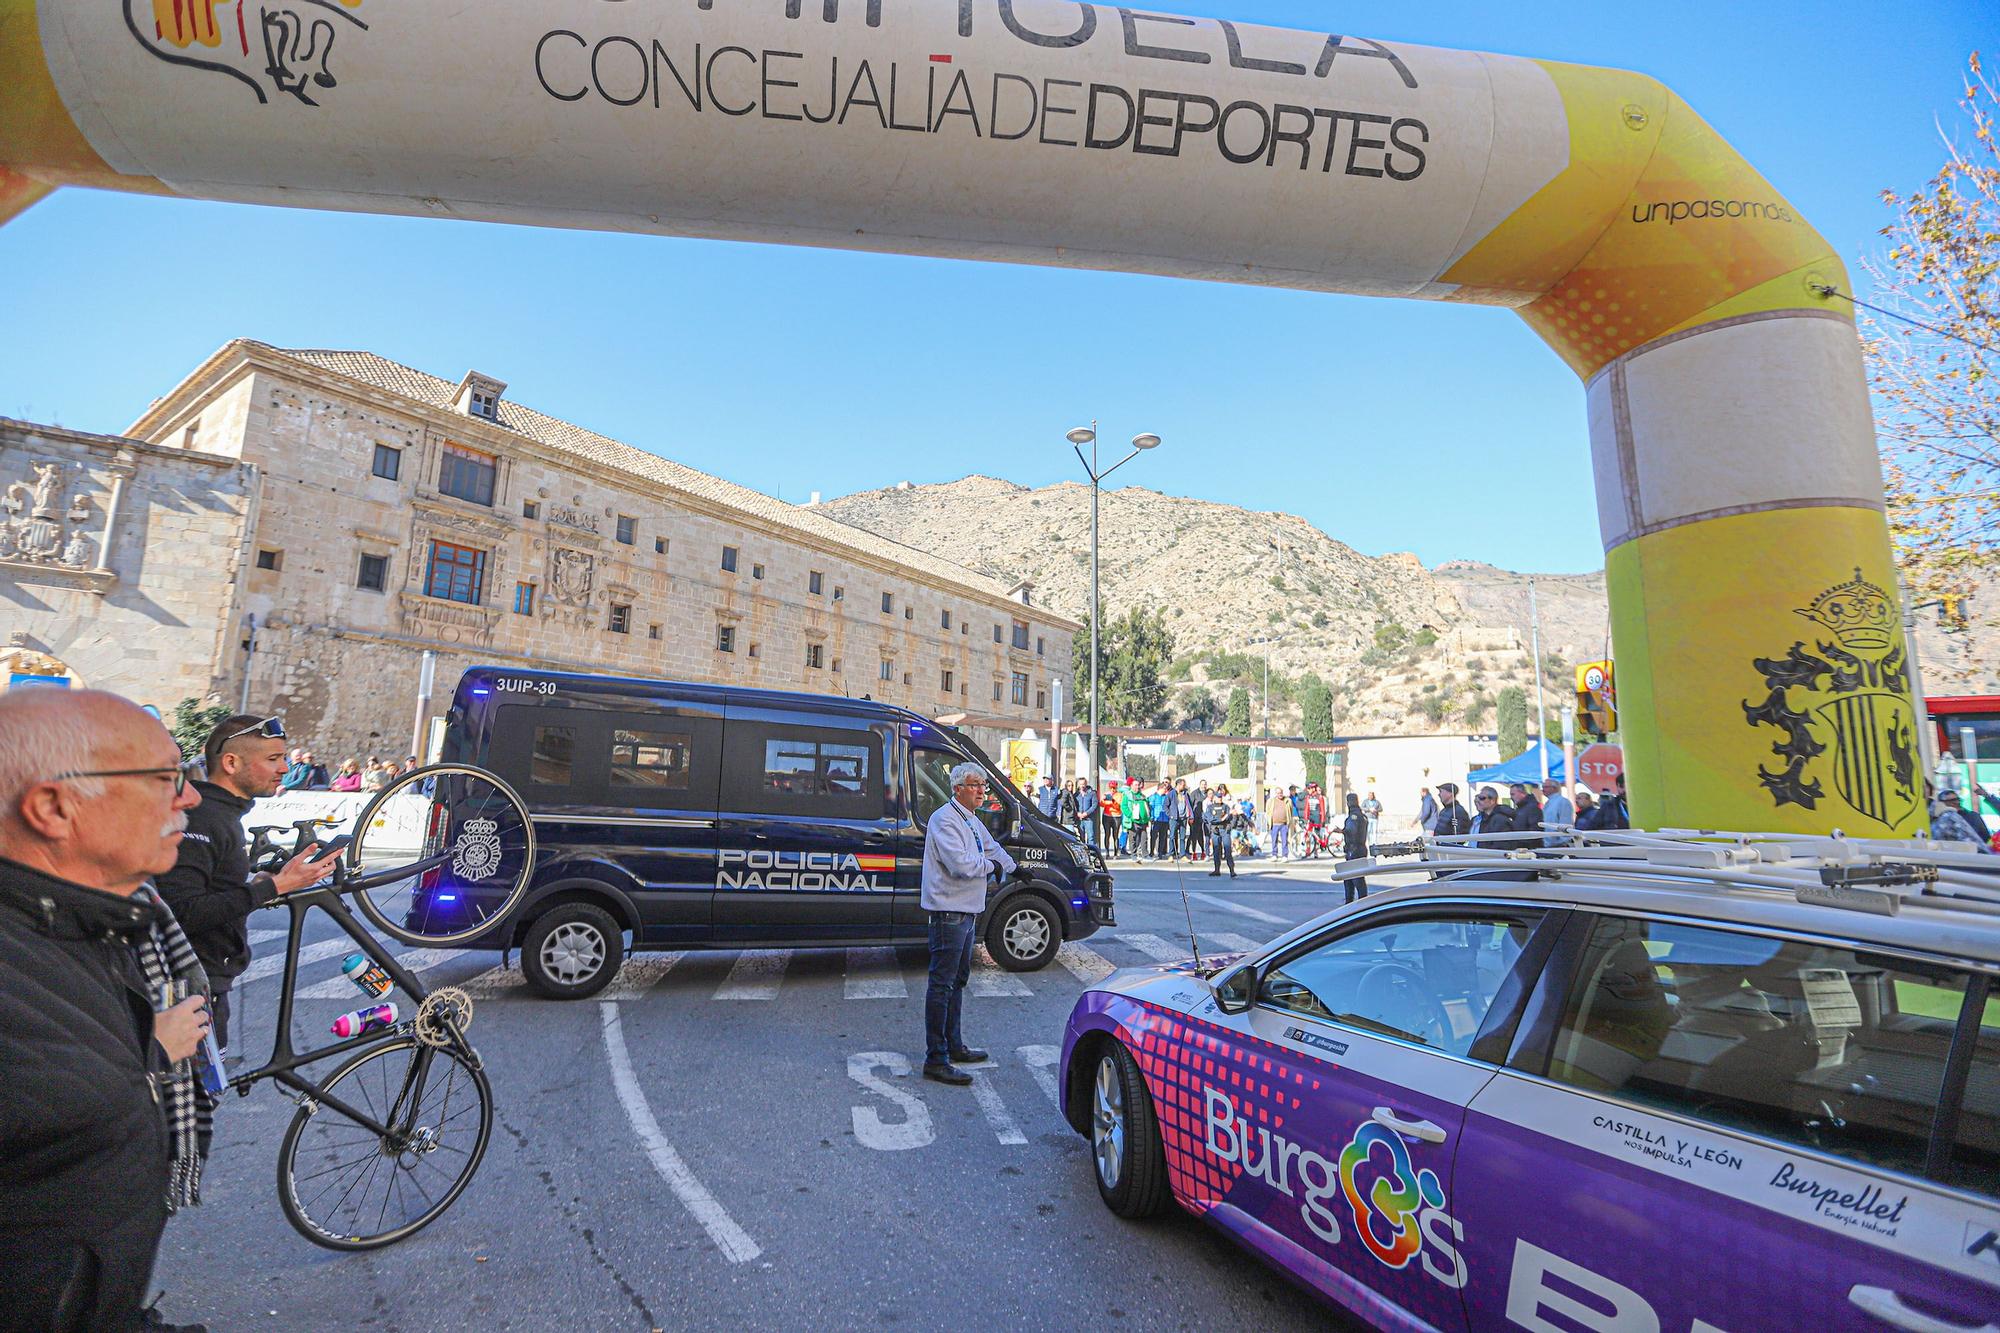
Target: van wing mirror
[[1236, 989]]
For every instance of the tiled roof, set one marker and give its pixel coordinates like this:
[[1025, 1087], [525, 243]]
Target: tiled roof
[[382, 373]]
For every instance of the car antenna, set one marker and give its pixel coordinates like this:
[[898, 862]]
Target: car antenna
[[1180, 877]]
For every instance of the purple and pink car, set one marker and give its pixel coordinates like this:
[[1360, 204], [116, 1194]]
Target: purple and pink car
[[1597, 1100]]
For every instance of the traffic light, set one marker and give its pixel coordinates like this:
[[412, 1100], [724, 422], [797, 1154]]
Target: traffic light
[[1596, 700]]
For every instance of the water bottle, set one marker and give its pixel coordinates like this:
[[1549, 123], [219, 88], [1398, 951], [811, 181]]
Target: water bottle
[[208, 1065], [367, 974], [364, 1020]]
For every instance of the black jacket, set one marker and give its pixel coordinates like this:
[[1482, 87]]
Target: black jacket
[[1528, 818], [211, 890], [83, 1141], [1452, 821], [1354, 835]]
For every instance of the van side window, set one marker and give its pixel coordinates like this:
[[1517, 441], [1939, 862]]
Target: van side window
[[816, 767], [790, 769], [554, 760], [654, 759], [1816, 1044]]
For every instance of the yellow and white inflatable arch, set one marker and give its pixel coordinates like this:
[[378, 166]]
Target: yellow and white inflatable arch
[[1759, 641]]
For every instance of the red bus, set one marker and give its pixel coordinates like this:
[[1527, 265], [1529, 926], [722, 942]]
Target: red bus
[[1954, 716]]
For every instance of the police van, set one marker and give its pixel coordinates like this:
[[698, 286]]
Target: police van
[[705, 816]]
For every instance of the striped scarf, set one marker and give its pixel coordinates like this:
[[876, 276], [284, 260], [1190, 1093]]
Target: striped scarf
[[170, 967]]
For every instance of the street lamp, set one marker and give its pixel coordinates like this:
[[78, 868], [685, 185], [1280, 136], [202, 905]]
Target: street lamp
[[1267, 640], [1079, 437]]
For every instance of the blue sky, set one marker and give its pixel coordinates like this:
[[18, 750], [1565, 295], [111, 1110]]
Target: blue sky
[[1393, 425]]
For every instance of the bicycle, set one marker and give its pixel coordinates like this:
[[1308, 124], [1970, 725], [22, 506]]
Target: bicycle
[[390, 1131]]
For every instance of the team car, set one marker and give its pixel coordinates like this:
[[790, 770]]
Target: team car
[[1716, 1084]]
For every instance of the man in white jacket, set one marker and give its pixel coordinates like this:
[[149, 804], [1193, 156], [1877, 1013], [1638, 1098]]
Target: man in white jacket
[[959, 853]]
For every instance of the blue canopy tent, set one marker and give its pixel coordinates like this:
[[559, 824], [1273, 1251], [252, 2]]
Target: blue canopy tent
[[1523, 767]]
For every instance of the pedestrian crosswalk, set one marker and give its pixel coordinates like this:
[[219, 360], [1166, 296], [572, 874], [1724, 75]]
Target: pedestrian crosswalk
[[761, 975]]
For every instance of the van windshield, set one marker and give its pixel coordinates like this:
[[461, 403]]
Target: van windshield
[[997, 781]]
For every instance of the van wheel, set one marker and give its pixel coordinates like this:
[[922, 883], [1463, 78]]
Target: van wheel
[[1023, 935], [572, 951]]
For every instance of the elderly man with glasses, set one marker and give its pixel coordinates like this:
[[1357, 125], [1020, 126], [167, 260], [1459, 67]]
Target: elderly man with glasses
[[93, 802], [959, 854], [210, 889]]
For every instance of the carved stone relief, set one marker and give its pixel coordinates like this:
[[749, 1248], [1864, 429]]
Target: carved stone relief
[[48, 535]]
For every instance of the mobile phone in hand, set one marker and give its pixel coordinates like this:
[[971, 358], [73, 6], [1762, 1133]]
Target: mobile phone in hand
[[331, 846]]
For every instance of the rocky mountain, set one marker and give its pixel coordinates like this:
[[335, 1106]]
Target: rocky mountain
[[1406, 648]]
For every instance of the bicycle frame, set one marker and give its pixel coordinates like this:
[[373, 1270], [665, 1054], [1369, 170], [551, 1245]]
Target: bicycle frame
[[285, 1062]]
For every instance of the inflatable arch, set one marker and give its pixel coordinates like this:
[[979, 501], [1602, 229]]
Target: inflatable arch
[[1762, 668]]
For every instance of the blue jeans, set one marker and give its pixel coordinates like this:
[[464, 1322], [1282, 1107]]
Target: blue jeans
[[944, 998], [1281, 839]]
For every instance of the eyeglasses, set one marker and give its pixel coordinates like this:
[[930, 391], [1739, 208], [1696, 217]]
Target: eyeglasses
[[271, 729], [179, 772]]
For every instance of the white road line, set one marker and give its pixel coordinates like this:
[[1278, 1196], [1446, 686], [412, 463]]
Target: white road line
[[311, 953], [416, 960], [640, 974], [757, 975], [1154, 947], [874, 974], [1085, 964], [1232, 941], [1239, 908], [732, 1240], [993, 1108], [989, 981], [1041, 1062], [266, 936]]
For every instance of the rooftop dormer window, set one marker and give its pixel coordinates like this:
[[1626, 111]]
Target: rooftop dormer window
[[479, 396]]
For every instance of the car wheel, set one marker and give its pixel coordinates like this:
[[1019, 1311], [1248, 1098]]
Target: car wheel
[[1125, 1150], [1024, 934], [572, 951]]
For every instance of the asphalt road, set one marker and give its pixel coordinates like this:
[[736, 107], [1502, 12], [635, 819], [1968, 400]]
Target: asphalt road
[[740, 1139]]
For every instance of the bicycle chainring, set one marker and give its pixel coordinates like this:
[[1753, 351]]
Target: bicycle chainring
[[441, 1012]]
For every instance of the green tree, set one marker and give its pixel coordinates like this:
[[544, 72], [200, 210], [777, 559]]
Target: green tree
[[1512, 708], [192, 721], [1134, 653], [1316, 700], [1196, 709], [1237, 723]]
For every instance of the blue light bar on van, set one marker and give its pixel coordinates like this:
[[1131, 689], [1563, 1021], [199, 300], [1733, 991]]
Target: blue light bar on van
[[481, 690], [916, 727], [452, 898]]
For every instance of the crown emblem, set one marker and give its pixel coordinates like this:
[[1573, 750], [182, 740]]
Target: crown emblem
[[480, 828], [1857, 612]]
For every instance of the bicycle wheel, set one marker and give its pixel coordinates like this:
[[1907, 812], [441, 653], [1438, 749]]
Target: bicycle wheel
[[441, 854], [346, 1187]]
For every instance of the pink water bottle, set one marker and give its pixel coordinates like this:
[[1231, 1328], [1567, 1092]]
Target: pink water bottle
[[365, 1020]]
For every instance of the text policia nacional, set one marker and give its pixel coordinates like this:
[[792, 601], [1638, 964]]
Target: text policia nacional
[[940, 97]]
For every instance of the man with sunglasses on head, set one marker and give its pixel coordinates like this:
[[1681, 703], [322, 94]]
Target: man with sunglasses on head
[[210, 889]]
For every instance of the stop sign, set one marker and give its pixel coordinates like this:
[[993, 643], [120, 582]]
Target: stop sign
[[1597, 766]]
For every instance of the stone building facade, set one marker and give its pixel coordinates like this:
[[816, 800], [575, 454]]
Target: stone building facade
[[116, 557], [395, 512]]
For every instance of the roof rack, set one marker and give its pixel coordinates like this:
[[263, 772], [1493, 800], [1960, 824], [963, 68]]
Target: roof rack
[[1877, 876]]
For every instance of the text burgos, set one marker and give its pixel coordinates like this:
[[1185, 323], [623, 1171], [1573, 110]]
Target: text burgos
[[1402, 1218]]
